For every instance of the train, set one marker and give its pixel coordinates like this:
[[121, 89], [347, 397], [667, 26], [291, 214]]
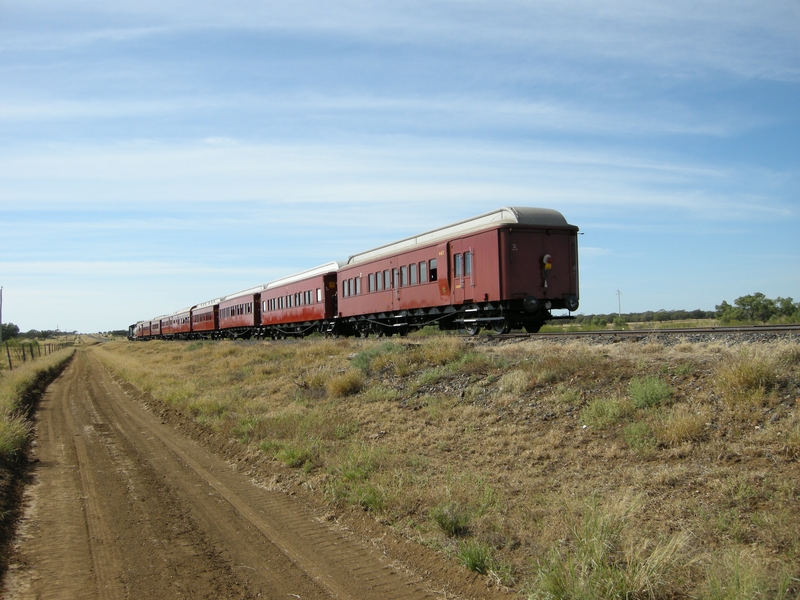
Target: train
[[505, 269]]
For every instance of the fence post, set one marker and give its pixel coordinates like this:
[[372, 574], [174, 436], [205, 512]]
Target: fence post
[[8, 352], [22, 347], [33, 356]]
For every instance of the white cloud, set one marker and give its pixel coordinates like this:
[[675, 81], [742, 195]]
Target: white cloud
[[737, 36]]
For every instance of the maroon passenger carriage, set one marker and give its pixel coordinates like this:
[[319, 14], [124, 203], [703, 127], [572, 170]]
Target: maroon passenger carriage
[[300, 304], [502, 270]]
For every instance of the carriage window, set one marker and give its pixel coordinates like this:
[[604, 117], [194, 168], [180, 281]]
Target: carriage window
[[403, 276], [371, 282], [423, 272], [358, 286], [319, 295], [379, 281], [413, 274], [458, 265], [432, 265], [395, 278], [468, 263], [387, 281]]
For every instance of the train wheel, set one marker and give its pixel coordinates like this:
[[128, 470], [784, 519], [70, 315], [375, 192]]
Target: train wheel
[[533, 327], [501, 327], [472, 329]]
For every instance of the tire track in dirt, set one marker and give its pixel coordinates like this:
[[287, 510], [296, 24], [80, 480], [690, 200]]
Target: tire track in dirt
[[124, 506]]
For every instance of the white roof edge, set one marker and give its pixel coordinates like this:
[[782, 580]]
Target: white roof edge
[[247, 292], [208, 303], [520, 215], [320, 270]]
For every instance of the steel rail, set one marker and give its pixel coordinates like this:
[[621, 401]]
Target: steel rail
[[653, 331]]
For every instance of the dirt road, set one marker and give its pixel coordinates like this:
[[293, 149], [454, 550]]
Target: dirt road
[[123, 506]]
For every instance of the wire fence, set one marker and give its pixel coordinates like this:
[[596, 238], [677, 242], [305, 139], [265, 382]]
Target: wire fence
[[18, 353]]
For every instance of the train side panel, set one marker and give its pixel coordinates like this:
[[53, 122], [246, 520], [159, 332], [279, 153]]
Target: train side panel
[[241, 311], [205, 320], [406, 281], [307, 300]]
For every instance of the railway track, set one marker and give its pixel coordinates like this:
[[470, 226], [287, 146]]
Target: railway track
[[618, 334]]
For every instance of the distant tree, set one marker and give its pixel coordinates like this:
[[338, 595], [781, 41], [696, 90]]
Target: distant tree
[[9, 331], [786, 306], [757, 307]]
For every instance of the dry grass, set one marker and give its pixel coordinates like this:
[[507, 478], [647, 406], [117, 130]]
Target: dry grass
[[673, 470], [15, 388]]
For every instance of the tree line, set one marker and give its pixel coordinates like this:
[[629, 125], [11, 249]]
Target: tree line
[[12, 331], [758, 308]]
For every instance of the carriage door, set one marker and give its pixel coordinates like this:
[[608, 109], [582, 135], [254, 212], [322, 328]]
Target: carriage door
[[462, 261]]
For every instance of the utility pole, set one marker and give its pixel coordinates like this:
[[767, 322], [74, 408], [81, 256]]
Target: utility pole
[[1, 314], [619, 303]]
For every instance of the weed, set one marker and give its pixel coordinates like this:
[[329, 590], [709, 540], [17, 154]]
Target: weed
[[346, 384], [792, 445], [648, 391], [683, 424], [639, 437], [295, 456], [746, 377], [567, 395], [442, 350], [370, 498], [605, 412], [380, 393], [14, 432], [244, 428], [599, 564], [431, 376], [475, 555], [737, 574], [364, 360], [450, 518], [515, 382]]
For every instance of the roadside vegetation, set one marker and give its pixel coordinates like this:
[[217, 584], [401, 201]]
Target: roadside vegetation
[[17, 389], [561, 470]]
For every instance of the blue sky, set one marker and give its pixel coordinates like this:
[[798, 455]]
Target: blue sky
[[157, 154]]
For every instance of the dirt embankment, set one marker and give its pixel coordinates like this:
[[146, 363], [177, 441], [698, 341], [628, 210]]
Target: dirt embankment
[[122, 504]]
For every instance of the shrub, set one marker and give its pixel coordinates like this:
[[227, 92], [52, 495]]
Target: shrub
[[346, 384], [746, 376], [648, 391]]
